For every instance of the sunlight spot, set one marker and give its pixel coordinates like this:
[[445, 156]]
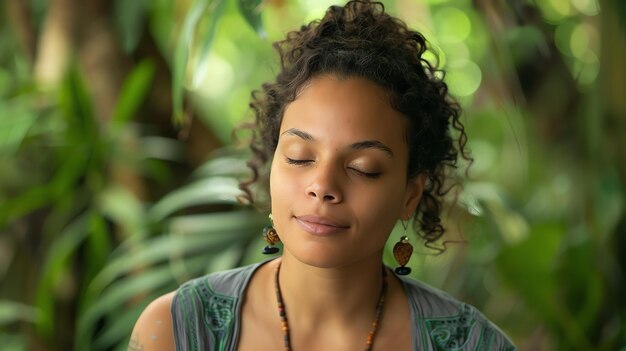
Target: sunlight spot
[[457, 52], [452, 24], [586, 73], [562, 7], [485, 156], [580, 41], [554, 11], [463, 80], [562, 37], [214, 77], [587, 7]]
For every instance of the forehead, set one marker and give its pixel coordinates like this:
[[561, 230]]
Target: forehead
[[345, 110]]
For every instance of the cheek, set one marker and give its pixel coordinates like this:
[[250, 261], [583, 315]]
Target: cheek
[[381, 206], [282, 187]]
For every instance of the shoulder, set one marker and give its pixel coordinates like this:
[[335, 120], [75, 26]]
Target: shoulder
[[208, 294], [153, 330], [451, 324], [217, 291], [429, 301], [211, 298], [204, 310], [229, 283]]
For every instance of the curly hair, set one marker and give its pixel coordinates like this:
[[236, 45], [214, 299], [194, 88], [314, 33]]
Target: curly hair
[[361, 40]]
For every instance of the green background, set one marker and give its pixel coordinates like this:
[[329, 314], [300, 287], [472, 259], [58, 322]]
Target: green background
[[118, 168]]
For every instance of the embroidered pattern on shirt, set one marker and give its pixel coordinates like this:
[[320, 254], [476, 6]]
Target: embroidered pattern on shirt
[[451, 333], [219, 313]]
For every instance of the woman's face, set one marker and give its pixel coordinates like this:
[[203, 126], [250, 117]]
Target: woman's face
[[338, 178]]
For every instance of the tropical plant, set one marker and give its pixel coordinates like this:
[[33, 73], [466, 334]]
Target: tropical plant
[[118, 178]]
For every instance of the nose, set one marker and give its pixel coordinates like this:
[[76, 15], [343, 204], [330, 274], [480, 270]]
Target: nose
[[325, 185]]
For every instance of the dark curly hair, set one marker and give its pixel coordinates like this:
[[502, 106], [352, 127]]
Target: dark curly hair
[[361, 40]]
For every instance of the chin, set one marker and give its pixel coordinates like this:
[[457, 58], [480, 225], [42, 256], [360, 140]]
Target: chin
[[322, 257]]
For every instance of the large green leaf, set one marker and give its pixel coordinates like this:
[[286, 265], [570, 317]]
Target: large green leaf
[[223, 165], [120, 331], [121, 293], [188, 234], [193, 245], [215, 190], [212, 10]]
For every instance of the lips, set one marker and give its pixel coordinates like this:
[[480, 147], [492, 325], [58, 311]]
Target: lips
[[319, 225]]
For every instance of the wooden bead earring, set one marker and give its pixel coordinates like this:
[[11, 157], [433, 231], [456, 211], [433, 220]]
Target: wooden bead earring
[[271, 237], [402, 252]]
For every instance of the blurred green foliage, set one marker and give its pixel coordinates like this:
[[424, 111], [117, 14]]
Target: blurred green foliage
[[115, 190]]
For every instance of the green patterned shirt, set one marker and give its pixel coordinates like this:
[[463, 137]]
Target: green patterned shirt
[[205, 313]]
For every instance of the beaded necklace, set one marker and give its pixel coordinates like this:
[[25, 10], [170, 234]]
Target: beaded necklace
[[370, 336]]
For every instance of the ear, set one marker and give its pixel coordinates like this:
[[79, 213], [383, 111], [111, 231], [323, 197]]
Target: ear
[[414, 190]]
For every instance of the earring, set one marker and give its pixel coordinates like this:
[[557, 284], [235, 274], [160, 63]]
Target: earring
[[402, 251], [271, 237]]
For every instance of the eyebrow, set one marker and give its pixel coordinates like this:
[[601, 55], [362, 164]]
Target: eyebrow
[[373, 144], [299, 133], [361, 145]]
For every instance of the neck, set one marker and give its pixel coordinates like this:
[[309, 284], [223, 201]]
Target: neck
[[339, 295]]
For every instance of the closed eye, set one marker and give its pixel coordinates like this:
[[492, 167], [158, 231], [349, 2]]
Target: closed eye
[[372, 175], [292, 161]]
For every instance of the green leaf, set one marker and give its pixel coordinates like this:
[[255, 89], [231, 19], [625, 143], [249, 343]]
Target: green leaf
[[123, 208], [134, 90], [72, 166], [16, 118], [124, 321], [194, 244], [99, 246], [11, 312], [207, 41], [251, 11], [56, 263], [130, 18], [217, 222], [76, 106], [114, 303], [181, 55], [185, 43], [233, 166], [120, 293], [217, 190], [30, 200], [13, 342], [195, 233], [161, 148]]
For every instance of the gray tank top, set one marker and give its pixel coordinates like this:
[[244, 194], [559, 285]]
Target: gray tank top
[[206, 310]]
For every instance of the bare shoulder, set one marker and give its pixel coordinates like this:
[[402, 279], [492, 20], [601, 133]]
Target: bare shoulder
[[153, 330]]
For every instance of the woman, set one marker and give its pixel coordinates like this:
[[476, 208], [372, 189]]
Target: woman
[[357, 132]]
